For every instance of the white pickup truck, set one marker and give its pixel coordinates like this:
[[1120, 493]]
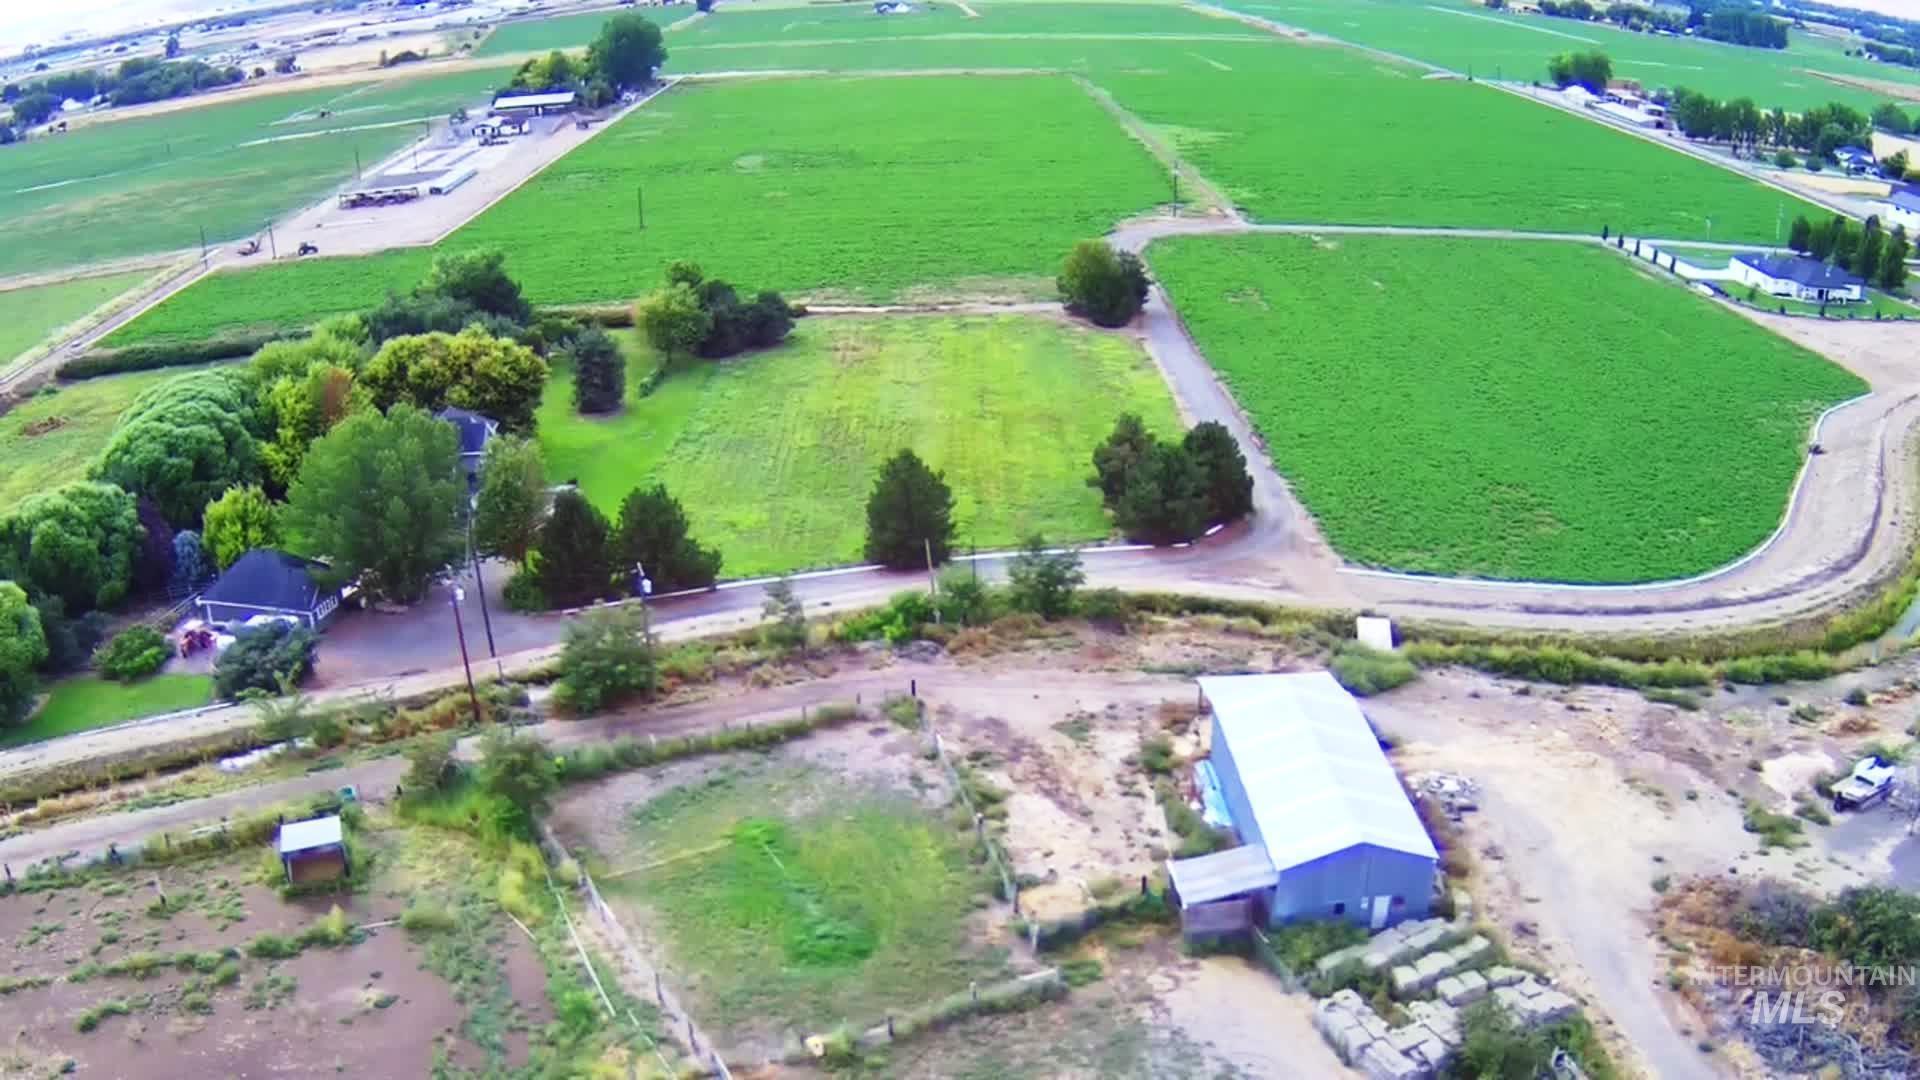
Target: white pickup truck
[[1870, 780]]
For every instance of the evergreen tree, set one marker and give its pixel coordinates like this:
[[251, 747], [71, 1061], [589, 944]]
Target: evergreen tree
[[599, 372], [573, 567], [1166, 500], [1800, 235], [1223, 471], [653, 532], [910, 510], [1892, 273], [1115, 459]]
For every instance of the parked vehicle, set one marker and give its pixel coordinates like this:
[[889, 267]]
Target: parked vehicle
[[308, 248], [251, 247], [1870, 781]]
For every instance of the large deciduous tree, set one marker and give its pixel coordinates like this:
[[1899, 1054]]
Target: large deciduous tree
[[653, 533], [240, 520], [573, 567], [627, 53], [909, 514], [22, 649], [607, 657], [380, 497], [673, 320], [471, 370], [1103, 285], [76, 542], [184, 442], [1114, 460], [512, 499], [478, 279]]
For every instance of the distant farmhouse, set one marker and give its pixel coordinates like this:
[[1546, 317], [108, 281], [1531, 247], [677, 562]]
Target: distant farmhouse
[[1797, 277], [1855, 160], [1901, 208], [265, 583]]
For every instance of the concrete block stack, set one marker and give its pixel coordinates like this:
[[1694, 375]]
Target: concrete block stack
[[1348, 1024], [1462, 989], [1531, 1003], [1408, 939]]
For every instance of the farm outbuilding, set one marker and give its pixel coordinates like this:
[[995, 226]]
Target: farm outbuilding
[[534, 104], [1326, 830], [313, 850]]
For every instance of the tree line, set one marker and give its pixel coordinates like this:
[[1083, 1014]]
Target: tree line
[[625, 56], [133, 82], [1816, 132], [1866, 250], [1735, 26]]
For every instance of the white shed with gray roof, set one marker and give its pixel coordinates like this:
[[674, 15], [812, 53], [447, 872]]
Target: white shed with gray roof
[[1305, 781]]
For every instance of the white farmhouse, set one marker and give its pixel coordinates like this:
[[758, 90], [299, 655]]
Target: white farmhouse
[[1900, 208], [1799, 278]]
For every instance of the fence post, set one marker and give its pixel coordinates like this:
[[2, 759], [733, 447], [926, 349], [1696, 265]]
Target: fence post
[[974, 989], [889, 1027], [913, 687], [659, 992]]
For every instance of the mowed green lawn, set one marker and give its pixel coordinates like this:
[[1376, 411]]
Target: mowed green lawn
[[1330, 135], [789, 923], [855, 189], [774, 454], [28, 315], [132, 187], [54, 436], [86, 702], [1466, 36], [1529, 409]]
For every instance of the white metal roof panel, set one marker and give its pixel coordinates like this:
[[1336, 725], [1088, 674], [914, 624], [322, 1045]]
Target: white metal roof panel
[[307, 835], [1233, 872], [1315, 777], [533, 101]]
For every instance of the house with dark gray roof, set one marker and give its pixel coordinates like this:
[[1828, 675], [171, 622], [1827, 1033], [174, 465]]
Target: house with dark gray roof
[[1854, 159], [1797, 277], [271, 583]]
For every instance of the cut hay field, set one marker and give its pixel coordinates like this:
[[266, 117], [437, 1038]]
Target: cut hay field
[[1333, 136], [559, 32], [1526, 410], [1461, 36], [774, 454], [133, 187], [28, 315], [51, 438], [850, 189]]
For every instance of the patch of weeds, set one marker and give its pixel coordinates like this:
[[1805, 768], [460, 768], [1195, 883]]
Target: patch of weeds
[[1081, 971], [904, 711], [1679, 699], [1662, 883], [1808, 810], [424, 918], [1156, 755], [1774, 830], [1806, 713], [272, 947], [10, 983], [39, 932], [271, 991], [90, 1019], [226, 974], [1078, 727]]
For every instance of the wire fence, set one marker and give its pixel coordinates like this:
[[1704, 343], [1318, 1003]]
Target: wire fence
[[639, 971], [1009, 885]]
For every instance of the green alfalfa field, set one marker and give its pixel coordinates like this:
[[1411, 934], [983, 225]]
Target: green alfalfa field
[[850, 189], [1524, 410]]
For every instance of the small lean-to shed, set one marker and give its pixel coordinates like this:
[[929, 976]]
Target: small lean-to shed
[[313, 850], [1305, 780]]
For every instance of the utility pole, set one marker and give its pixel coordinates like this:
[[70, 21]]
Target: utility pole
[[473, 695], [480, 584], [356, 163], [273, 249], [933, 581], [1176, 187], [203, 245]]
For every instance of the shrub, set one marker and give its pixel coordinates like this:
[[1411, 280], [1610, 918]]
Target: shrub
[[1367, 671], [607, 657], [134, 653], [421, 918], [429, 762], [1677, 698], [1300, 945], [266, 658], [1105, 286], [1774, 830], [522, 591]]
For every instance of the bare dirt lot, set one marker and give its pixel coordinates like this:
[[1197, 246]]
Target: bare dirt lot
[[106, 976]]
